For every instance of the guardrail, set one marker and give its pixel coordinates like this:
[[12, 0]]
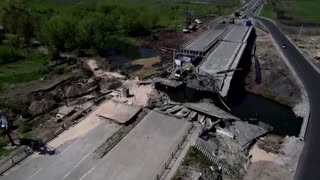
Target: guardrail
[[175, 153], [215, 160]]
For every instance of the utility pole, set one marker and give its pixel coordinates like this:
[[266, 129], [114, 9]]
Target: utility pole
[[300, 31]]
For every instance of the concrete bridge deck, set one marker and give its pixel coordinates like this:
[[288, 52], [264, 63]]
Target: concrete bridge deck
[[226, 56], [204, 42]]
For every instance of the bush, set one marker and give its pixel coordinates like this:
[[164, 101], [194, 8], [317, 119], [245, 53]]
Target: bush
[[23, 126], [3, 141], [9, 55], [16, 105]]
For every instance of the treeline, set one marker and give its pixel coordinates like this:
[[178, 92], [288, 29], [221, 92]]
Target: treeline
[[85, 27]]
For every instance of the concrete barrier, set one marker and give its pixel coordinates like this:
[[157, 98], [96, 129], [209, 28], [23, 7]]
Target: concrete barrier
[[14, 159], [24, 151]]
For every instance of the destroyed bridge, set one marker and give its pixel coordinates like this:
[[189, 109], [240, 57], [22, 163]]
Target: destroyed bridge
[[221, 49]]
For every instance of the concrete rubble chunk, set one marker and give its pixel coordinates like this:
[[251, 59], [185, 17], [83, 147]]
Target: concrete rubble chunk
[[40, 107], [245, 133], [183, 112], [64, 111], [117, 111], [174, 109], [167, 82], [192, 115], [107, 83], [201, 118], [164, 107], [211, 109]]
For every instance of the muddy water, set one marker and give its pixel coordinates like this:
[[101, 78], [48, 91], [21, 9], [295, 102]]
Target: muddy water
[[248, 107], [254, 108], [121, 57]]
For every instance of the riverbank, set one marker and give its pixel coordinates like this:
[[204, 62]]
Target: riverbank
[[270, 77]]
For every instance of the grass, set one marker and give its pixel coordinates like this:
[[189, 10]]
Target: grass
[[31, 68], [273, 96], [172, 14], [299, 10], [304, 9], [194, 156], [4, 142], [267, 11]]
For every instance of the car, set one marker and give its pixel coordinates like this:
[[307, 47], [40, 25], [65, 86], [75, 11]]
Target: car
[[284, 46]]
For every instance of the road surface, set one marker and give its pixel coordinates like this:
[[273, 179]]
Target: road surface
[[142, 152], [309, 163], [74, 150]]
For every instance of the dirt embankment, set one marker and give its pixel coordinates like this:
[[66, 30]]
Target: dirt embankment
[[277, 166], [270, 76], [308, 41]]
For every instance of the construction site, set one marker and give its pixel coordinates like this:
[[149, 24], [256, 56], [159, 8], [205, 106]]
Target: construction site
[[178, 123]]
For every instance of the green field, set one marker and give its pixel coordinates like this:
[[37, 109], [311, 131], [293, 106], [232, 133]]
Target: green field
[[171, 14], [28, 68], [296, 10], [71, 26], [267, 11]]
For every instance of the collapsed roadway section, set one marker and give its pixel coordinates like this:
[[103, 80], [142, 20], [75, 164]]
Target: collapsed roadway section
[[222, 61]]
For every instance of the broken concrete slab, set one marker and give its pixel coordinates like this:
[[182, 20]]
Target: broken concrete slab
[[176, 108], [211, 109], [192, 115], [117, 111], [183, 112], [245, 133], [64, 111], [167, 82]]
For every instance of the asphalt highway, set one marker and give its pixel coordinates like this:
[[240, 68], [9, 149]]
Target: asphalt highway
[[309, 163]]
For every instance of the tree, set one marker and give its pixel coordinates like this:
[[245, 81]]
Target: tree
[[95, 31], [10, 13], [17, 19], [26, 30], [59, 34]]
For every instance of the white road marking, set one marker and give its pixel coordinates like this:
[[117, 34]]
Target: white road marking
[[78, 163], [87, 173], [35, 173], [70, 145]]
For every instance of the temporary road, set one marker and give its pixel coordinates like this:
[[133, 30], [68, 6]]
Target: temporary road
[[308, 167]]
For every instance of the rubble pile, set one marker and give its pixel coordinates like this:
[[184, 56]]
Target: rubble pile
[[158, 99], [202, 83], [270, 145], [107, 84], [39, 107]]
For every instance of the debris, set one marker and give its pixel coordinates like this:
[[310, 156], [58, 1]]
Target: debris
[[40, 107], [245, 133], [78, 89], [176, 108], [118, 112], [167, 82], [211, 110], [64, 111], [225, 132], [107, 83], [183, 112]]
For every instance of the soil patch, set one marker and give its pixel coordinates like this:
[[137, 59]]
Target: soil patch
[[270, 77]]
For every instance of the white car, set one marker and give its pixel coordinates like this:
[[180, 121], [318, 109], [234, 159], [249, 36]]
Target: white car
[[198, 21]]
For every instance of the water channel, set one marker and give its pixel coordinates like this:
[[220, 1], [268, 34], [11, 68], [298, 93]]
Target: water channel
[[247, 106]]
